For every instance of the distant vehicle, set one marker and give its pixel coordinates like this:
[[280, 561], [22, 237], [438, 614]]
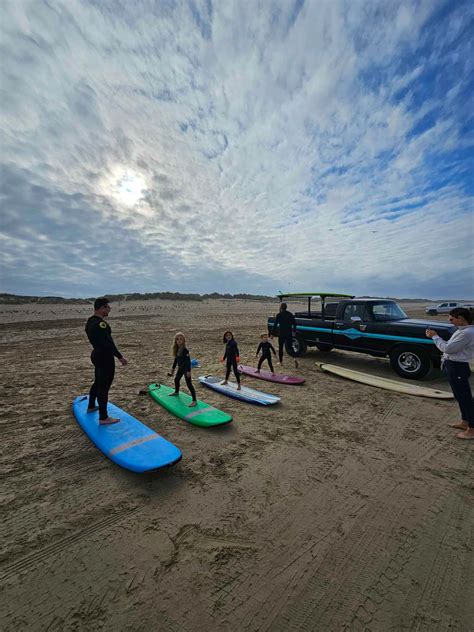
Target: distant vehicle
[[378, 327], [445, 308]]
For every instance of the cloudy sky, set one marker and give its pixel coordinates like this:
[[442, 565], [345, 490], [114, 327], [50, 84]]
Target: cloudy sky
[[237, 146]]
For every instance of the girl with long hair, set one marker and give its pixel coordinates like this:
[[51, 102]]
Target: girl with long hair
[[182, 360]]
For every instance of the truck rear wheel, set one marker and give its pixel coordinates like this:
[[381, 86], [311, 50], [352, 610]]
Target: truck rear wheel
[[324, 346], [411, 363], [298, 347]]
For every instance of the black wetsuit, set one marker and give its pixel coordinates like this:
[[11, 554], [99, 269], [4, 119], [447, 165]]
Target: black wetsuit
[[284, 326], [266, 348], [183, 362], [230, 355], [103, 358]]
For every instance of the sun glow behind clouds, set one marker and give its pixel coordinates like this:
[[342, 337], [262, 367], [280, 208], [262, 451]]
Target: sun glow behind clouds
[[126, 187]]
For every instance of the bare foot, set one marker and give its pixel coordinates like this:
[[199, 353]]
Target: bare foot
[[93, 409], [173, 394], [224, 383], [257, 371], [296, 364], [462, 425], [239, 388], [273, 372], [467, 434], [280, 363], [192, 404], [109, 421]]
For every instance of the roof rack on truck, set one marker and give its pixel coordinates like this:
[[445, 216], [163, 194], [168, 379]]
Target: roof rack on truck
[[311, 295]]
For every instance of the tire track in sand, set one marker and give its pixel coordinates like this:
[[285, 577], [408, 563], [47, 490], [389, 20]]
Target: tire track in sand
[[30, 561]]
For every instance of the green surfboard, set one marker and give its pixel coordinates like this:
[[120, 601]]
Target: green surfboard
[[202, 415]]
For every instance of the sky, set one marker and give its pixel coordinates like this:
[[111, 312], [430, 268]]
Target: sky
[[237, 146]]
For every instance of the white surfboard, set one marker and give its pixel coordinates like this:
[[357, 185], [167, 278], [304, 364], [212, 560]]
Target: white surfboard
[[382, 382], [246, 394]]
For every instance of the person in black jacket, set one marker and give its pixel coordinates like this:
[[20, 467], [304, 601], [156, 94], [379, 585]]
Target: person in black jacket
[[232, 356], [182, 360], [103, 357], [285, 327], [266, 348]]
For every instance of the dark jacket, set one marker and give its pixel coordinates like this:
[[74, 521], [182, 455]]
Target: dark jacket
[[182, 360], [100, 337], [231, 351], [287, 323], [266, 348]]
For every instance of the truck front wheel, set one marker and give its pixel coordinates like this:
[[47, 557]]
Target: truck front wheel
[[410, 362], [298, 347]]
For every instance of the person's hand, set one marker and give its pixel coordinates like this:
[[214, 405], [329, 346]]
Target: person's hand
[[431, 332], [221, 360], [188, 373], [123, 361], [238, 359], [171, 374]]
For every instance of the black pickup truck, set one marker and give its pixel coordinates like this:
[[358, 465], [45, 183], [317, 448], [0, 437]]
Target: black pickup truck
[[378, 327]]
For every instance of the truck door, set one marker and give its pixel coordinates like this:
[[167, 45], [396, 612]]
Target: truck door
[[349, 331]]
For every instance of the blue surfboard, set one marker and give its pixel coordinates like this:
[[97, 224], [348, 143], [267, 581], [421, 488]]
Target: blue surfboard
[[246, 394], [129, 443]]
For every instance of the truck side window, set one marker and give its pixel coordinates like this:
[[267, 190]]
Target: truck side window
[[353, 310]]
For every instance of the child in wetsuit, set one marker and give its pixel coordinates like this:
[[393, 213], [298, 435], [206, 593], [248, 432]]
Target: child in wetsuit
[[266, 348], [231, 355], [183, 362]]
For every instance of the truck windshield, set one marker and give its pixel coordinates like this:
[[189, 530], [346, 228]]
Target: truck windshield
[[387, 311]]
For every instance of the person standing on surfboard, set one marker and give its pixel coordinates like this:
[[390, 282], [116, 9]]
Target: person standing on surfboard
[[182, 360], [231, 354], [458, 351], [266, 348], [103, 357], [284, 326]]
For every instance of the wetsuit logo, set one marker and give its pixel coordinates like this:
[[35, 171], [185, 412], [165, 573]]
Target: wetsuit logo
[[103, 325]]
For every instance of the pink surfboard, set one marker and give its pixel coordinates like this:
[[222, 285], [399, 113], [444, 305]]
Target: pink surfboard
[[267, 376]]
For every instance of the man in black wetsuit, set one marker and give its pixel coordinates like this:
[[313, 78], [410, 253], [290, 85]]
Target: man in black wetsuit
[[103, 358], [285, 326]]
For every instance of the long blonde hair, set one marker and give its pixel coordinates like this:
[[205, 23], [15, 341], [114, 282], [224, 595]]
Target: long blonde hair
[[175, 344]]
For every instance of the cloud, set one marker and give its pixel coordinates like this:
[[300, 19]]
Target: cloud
[[235, 147]]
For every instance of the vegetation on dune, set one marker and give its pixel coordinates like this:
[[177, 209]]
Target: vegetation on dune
[[15, 299]]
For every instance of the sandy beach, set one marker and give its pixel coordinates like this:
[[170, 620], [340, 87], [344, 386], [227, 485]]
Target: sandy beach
[[345, 507]]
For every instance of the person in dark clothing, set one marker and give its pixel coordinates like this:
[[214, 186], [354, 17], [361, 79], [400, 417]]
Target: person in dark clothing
[[232, 357], [182, 360], [103, 357], [285, 327], [266, 348]]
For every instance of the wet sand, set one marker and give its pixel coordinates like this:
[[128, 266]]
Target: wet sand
[[343, 508]]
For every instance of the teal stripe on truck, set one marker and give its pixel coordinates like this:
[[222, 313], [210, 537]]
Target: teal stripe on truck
[[355, 333]]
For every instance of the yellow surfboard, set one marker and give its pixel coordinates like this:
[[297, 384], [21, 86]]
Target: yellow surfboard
[[382, 382]]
